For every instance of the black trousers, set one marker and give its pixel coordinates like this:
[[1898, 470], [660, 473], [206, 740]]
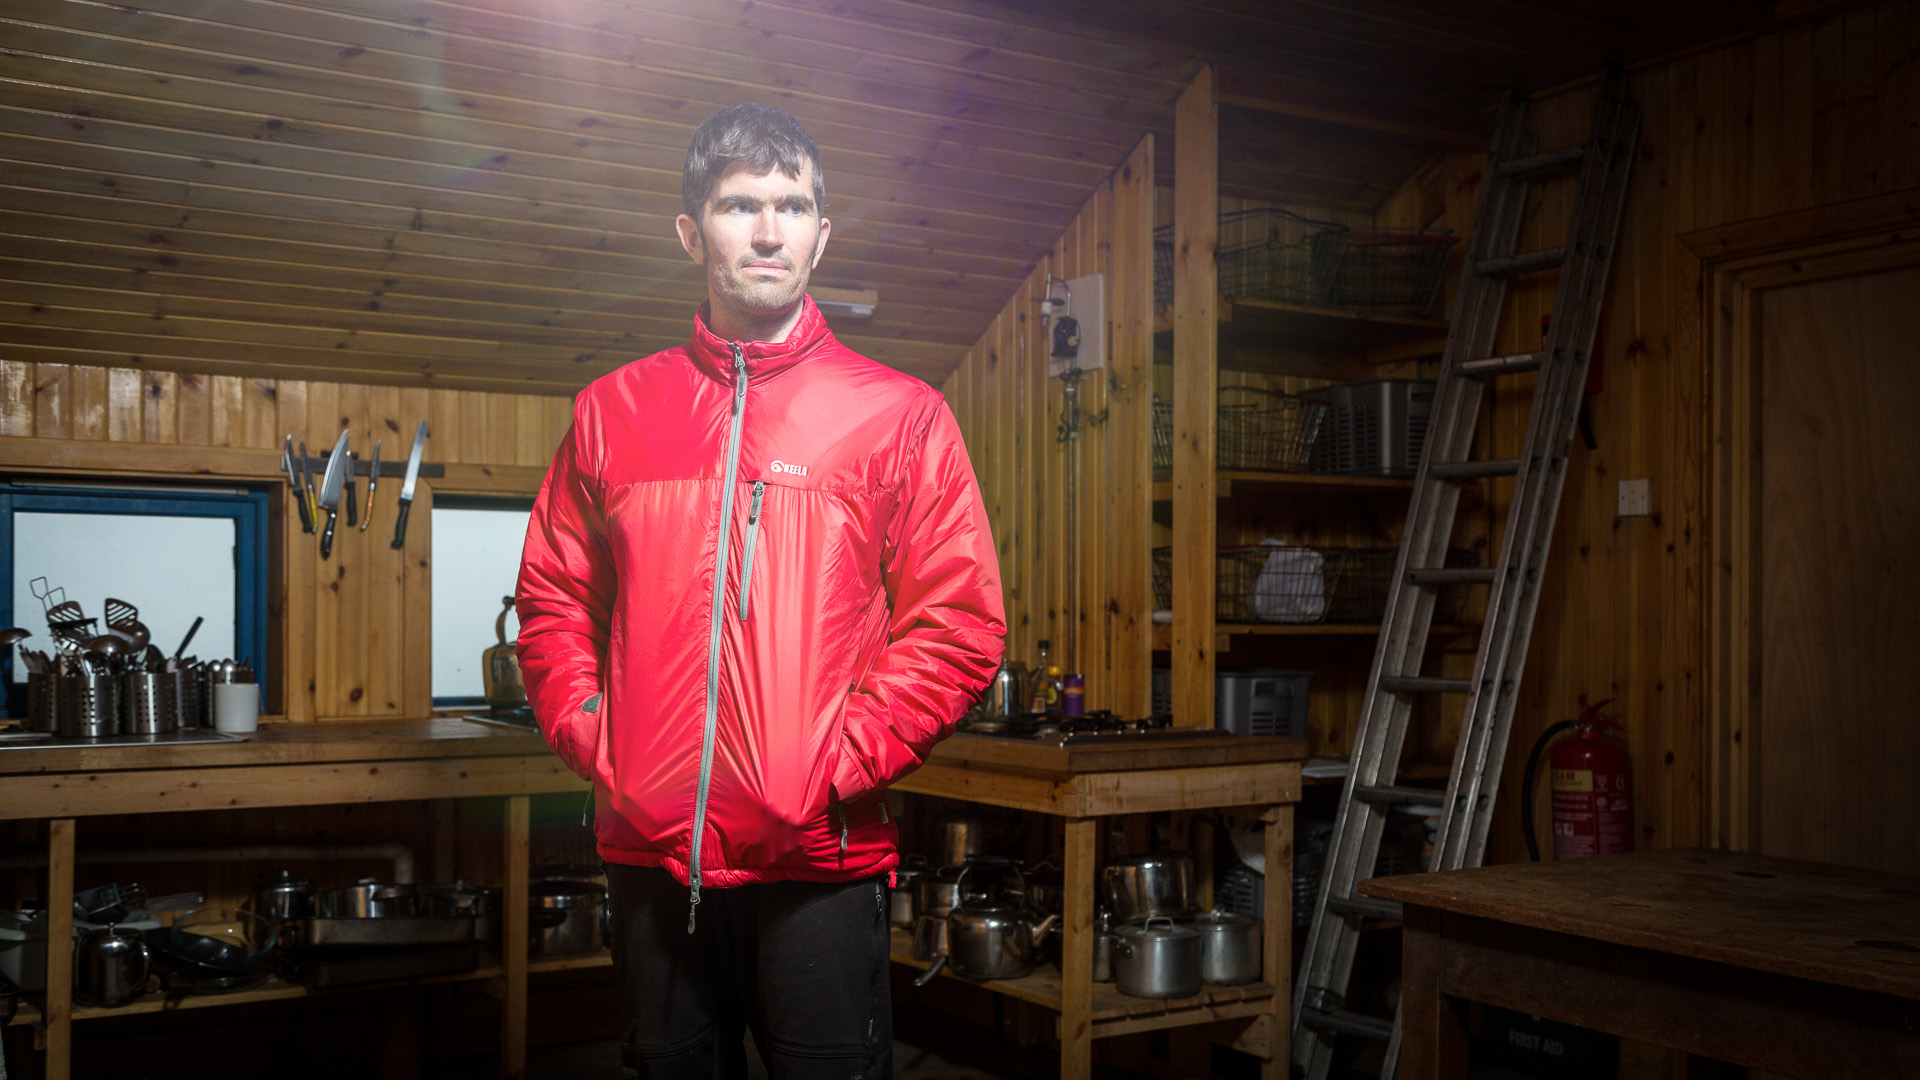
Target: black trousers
[[803, 965]]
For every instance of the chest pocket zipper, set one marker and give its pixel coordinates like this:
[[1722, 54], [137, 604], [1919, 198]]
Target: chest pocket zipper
[[753, 537]]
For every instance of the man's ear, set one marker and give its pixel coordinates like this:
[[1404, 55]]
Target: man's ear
[[691, 239], [820, 245]]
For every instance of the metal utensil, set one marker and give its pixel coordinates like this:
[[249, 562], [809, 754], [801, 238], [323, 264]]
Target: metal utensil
[[13, 634], [293, 482], [194, 629], [108, 651], [330, 488], [119, 612], [306, 483], [373, 481], [406, 485]]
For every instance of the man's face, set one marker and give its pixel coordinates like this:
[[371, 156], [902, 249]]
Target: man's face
[[759, 238]]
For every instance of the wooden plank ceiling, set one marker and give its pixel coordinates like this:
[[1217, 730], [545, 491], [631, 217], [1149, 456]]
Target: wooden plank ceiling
[[480, 193]]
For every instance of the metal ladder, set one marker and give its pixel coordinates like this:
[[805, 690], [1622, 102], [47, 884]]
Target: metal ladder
[[1371, 791]]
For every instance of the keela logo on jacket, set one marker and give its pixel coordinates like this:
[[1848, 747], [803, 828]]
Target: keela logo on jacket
[[790, 470]]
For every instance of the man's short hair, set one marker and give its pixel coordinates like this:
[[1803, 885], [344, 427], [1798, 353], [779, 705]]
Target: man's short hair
[[758, 138]]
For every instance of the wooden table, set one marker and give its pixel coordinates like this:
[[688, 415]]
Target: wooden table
[[284, 765], [1084, 784], [1797, 968]]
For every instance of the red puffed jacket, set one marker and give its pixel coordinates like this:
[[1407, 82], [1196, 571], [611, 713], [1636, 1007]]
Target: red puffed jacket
[[758, 587]]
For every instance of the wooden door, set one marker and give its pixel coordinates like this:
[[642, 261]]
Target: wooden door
[[1837, 592]]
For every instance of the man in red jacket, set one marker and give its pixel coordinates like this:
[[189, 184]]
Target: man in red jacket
[[758, 587]]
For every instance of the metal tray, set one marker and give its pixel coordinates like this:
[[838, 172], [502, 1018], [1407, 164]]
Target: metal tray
[[357, 967], [320, 932], [40, 740]]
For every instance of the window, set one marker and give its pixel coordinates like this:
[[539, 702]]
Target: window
[[476, 562], [176, 554]]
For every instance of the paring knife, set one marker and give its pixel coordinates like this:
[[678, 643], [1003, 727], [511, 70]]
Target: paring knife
[[299, 493], [337, 465], [406, 486], [373, 481]]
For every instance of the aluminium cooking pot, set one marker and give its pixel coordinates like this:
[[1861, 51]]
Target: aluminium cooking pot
[[567, 917], [461, 898], [369, 899], [1229, 947], [1149, 886], [1157, 959], [283, 897]]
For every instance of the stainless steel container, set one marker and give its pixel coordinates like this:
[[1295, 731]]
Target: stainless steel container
[[565, 919], [43, 701], [149, 701], [463, 898], [1004, 697], [937, 894], [960, 838], [930, 946], [1103, 939], [1229, 947], [89, 706], [991, 941], [900, 901], [1157, 959], [283, 897], [110, 967], [1149, 886], [369, 899]]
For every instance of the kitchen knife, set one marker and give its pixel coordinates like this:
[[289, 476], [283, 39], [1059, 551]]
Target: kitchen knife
[[373, 481], [337, 465], [406, 486], [299, 493], [353, 504], [306, 472]]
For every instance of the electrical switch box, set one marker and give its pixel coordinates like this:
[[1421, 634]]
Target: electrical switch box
[[1085, 300], [1636, 497]]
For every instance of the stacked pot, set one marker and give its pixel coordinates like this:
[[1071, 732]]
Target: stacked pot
[[1158, 945]]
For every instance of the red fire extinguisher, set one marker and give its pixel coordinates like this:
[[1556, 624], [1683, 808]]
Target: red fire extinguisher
[[1592, 789]]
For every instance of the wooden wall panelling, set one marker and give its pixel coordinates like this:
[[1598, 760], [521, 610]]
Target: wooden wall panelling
[[353, 634], [1009, 410]]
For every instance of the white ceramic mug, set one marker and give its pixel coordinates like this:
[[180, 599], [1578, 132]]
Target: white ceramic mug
[[236, 707]]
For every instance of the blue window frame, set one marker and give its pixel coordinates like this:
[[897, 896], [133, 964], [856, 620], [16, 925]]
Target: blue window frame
[[247, 510]]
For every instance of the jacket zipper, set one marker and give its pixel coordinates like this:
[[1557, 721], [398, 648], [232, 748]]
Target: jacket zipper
[[753, 534], [713, 637]]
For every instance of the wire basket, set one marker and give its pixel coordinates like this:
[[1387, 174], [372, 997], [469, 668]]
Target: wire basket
[[1366, 577], [1395, 272], [1255, 430], [1267, 254], [1266, 583]]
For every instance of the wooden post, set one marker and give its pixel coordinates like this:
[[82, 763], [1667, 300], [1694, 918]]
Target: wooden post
[[1196, 225], [1276, 940], [1076, 952], [513, 941], [59, 1014], [1130, 423], [1433, 1026]]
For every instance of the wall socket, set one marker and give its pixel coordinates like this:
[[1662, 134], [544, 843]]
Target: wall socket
[[1636, 497]]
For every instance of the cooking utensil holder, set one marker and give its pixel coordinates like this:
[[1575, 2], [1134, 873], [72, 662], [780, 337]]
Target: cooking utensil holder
[[149, 701], [89, 706], [43, 701]]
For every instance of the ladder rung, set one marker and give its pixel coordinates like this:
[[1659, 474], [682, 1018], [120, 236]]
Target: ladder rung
[[1501, 365], [1342, 1022], [1368, 907], [1464, 575], [1475, 470], [1539, 164], [1391, 795], [1524, 263], [1405, 684]]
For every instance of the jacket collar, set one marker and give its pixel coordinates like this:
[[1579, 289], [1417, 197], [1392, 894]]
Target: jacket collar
[[714, 355]]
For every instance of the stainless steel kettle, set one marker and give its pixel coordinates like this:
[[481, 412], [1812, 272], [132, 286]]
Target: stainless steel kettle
[[110, 967], [505, 692]]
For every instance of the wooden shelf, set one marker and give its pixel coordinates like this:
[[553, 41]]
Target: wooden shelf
[[1114, 1013], [1163, 633], [1227, 481], [276, 990], [1379, 338]]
